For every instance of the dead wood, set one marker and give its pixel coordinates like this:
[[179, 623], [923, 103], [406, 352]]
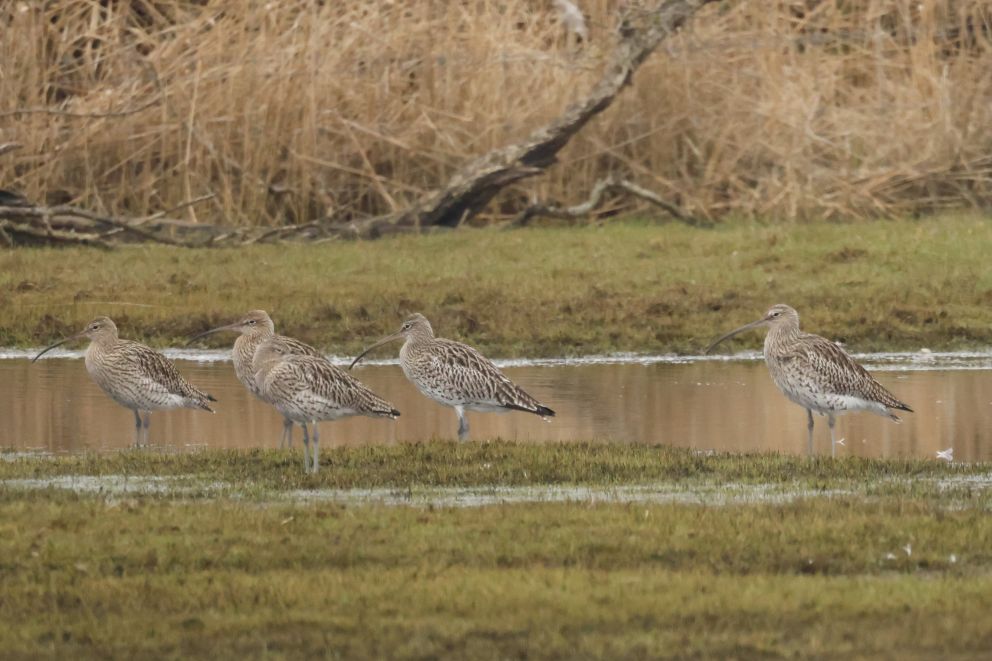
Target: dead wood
[[24, 223], [601, 188], [475, 185], [467, 193]]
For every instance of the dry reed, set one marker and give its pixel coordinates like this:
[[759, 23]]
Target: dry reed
[[294, 110]]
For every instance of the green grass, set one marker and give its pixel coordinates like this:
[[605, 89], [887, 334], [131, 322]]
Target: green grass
[[443, 464], [244, 572], [626, 286], [153, 577]]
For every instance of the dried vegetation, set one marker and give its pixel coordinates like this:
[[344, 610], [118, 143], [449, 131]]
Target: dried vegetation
[[294, 111]]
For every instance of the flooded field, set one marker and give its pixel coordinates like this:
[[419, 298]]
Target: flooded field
[[705, 404]]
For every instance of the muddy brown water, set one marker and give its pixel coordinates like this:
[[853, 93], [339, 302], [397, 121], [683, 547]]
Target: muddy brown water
[[722, 405]]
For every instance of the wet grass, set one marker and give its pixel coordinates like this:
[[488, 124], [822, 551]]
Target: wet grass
[[903, 568], [443, 464], [91, 576], [627, 286]]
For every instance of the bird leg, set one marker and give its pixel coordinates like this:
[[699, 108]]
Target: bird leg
[[146, 423], [809, 428], [137, 429], [462, 423], [833, 441], [287, 434], [316, 449], [306, 448]]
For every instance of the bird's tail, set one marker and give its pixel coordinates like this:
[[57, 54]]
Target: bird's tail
[[538, 409], [201, 402], [899, 406], [381, 409]]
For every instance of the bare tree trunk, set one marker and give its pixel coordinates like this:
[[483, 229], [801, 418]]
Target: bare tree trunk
[[474, 185], [603, 186], [464, 196]]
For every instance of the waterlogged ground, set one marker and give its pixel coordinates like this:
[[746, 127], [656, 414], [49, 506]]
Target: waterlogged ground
[[706, 404], [623, 286], [954, 491], [493, 550], [637, 524]]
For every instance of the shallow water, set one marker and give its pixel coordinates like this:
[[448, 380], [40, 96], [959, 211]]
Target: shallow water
[[706, 404], [708, 494]]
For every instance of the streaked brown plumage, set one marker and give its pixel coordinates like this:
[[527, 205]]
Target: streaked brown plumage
[[134, 375], [254, 328], [309, 389], [817, 374], [455, 374]]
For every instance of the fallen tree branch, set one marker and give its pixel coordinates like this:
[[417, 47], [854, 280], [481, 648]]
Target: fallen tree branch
[[32, 234], [466, 193], [475, 185], [603, 186], [16, 112], [29, 224], [178, 207], [69, 224]]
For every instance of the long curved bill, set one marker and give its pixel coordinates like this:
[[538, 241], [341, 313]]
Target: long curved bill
[[385, 340], [736, 331], [219, 329], [57, 344]]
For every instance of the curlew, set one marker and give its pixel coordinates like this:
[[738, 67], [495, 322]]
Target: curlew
[[455, 374], [817, 374], [254, 328], [308, 389], [134, 376]]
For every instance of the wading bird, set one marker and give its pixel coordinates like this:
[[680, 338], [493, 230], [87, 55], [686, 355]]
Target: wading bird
[[817, 374], [455, 374], [133, 375], [308, 389], [254, 328]]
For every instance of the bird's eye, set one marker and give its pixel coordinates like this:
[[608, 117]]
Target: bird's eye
[[776, 313], [251, 322], [406, 326]]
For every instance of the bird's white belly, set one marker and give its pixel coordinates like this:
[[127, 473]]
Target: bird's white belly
[[824, 403], [444, 396], [432, 387], [304, 408], [439, 395], [134, 392], [144, 400], [486, 407], [443, 389]]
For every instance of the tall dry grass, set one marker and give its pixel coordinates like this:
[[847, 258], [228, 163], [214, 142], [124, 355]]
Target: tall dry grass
[[294, 110]]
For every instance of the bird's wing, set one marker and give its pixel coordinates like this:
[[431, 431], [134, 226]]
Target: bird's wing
[[158, 372], [299, 348], [473, 374], [337, 388], [834, 371]]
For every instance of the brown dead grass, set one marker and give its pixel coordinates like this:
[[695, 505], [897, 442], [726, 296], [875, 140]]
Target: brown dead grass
[[292, 110]]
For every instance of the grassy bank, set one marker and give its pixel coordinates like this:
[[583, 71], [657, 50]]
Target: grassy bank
[[442, 464], [904, 573], [539, 292]]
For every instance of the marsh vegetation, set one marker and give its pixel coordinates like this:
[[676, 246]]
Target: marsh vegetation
[[342, 110], [629, 286], [898, 567]]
